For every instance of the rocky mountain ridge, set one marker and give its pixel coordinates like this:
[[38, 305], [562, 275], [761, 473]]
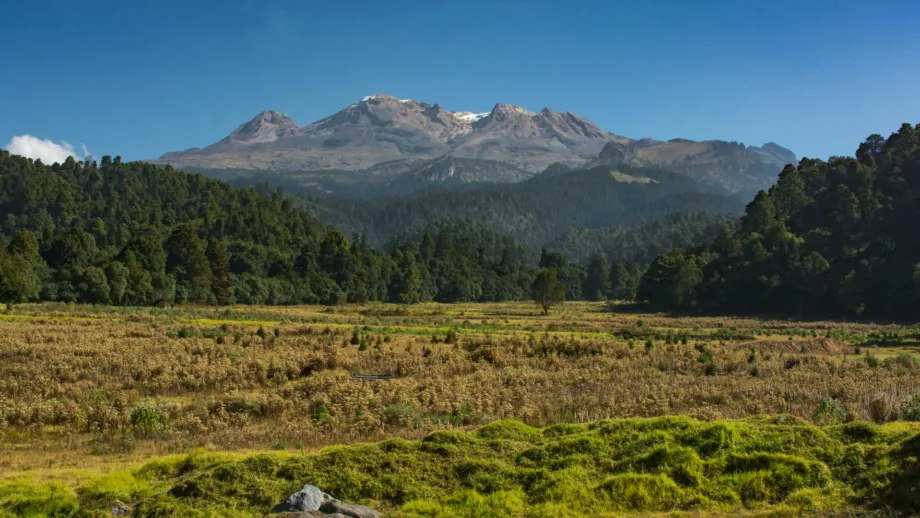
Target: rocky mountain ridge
[[391, 136]]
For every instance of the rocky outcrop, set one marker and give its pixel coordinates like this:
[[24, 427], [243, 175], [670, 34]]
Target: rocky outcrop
[[616, 154], [310, 498], [312, 501], [338, 508]]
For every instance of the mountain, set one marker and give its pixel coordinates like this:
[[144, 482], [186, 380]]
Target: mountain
[[381, 137], [380, 128], [729, 165]]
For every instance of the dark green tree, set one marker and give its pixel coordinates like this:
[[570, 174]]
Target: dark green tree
[[186, 261], [597, 280], [546, 290], [219, 264]]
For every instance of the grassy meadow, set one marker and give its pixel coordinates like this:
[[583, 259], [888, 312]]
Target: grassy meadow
[[453, 410]]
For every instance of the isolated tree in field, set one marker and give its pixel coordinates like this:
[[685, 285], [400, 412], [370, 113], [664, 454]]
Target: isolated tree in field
[[546, 290]]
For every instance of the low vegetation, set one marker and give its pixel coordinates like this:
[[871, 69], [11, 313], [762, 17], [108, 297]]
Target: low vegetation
[[93, 397], [777, 465]]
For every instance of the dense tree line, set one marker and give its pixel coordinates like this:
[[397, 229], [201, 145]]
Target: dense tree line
[[492, 242], [130, 233], [642, 243], [538, 212], [834, 238]]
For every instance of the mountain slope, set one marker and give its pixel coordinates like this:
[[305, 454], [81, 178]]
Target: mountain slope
[[536, 211], [381, 130], [642, 243], [729, 165], [135, 234]]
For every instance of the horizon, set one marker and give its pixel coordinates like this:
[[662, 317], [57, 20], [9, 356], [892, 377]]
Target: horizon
[[754, 73]]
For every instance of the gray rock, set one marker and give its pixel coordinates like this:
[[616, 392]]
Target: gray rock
[[120, 510], [309, 514], [350, 510], [310, 498]]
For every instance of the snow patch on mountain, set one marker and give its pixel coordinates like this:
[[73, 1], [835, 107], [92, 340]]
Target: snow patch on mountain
[[470, 116]]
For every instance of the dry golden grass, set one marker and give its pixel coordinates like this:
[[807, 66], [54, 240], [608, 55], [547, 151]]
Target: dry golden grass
[[72, 378]]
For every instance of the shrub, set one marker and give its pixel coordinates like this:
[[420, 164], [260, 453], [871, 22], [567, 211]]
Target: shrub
[[910, 408], [148, 419], [906, 360], [319, 413], [830, 411], [186, 333], [403, 414]]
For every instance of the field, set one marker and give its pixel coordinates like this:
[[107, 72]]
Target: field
[[102, 404]]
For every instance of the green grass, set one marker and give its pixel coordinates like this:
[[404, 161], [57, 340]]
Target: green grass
[[777, 465]]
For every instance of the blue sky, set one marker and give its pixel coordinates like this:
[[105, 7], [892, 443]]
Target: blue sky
[[138, 79]]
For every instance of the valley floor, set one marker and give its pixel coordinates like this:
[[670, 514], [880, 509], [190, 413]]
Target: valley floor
[[100, 405]]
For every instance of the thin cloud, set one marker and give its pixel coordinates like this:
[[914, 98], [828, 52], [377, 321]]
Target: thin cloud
[[47, 151]]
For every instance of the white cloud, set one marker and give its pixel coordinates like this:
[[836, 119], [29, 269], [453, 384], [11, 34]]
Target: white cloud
[[47, 151]]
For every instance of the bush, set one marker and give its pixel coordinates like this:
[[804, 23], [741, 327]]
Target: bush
[[830, 411], [186, 333], [319, 413], [711, 369], [906, 360], [403, 414], [148, 419], [910, 408]]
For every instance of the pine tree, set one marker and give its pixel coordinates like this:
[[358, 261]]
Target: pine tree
[[597, 280], [219, 263], [186, 260]]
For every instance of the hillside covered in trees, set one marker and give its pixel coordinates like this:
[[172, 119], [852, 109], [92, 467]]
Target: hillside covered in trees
[[642, 243], [540, 212], [131, 233], [832, 238]]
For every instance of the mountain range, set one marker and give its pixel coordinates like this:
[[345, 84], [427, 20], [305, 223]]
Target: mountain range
[[402, 145]]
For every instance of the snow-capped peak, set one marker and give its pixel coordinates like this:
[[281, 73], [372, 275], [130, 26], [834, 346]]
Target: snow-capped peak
[[382, 97], [469, 116]]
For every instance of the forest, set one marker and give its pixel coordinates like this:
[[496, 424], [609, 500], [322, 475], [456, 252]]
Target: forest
[[829, 238], [540, 211], [133, 234]]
